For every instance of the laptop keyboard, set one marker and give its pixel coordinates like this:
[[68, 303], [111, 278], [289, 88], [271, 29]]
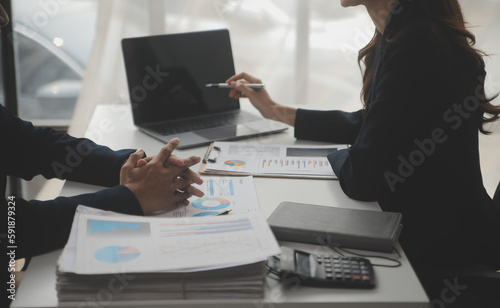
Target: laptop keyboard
[[226, 119]]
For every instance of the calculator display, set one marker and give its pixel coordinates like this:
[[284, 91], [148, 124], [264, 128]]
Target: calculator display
[[302, 264]]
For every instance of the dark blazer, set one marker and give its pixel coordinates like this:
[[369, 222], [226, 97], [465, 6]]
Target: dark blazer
[[415, 150], [42, 226]]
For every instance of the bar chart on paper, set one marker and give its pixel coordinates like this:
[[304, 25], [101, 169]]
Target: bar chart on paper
[[312, 165], [221, 194]]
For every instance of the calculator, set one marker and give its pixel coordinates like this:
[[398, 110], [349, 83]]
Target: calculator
[[323, 270]]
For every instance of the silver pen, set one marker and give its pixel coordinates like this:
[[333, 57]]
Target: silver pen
[[255, 86]]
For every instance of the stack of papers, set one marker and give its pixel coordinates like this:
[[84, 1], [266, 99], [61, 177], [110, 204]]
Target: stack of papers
[[244, 281], [155, 258]]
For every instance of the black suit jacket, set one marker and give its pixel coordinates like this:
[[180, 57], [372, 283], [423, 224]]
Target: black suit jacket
[[42, 226], [415, 150]]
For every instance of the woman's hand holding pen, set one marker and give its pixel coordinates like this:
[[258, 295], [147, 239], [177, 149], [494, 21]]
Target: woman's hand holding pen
[[260, 99], [161, 181]]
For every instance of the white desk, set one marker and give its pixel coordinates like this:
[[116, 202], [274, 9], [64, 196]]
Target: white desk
[[112, 126]]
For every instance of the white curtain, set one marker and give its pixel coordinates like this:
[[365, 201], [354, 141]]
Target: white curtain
[[271, 39], [304, 50], [104, 81]]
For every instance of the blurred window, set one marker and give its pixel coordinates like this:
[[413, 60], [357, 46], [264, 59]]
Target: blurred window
[[53, 40]]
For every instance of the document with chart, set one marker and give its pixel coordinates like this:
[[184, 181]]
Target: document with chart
[[269, 160], [222, 194], [118, 244]]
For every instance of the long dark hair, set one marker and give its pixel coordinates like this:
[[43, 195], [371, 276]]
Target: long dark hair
[[438, 14]]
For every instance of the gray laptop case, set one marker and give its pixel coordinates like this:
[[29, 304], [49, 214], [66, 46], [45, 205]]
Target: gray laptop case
[[338, 227]]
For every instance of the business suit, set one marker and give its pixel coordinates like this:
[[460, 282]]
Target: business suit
[[42, 226], [415, 149]]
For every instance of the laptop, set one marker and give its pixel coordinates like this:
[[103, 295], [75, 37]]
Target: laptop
[[167, 77]]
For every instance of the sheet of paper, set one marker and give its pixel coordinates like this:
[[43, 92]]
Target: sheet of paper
[[67, 260], [221, 194], [106, 244], [296, 160]]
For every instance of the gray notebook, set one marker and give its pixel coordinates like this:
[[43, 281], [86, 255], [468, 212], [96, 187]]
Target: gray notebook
[[324, 225]]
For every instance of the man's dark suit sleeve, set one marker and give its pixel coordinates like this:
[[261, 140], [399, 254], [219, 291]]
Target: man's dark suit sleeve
[[30, 151], [27, 151], [42, 226]]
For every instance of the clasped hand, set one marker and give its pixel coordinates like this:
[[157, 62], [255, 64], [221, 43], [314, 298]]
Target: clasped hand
[[163, 181]]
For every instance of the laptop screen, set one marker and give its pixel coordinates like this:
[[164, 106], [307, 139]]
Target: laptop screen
[[167, 74]]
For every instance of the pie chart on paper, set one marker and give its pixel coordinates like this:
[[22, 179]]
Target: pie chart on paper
[[235, 163], [211, 203]]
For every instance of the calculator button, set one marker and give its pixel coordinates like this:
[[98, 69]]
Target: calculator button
[[366, 278]]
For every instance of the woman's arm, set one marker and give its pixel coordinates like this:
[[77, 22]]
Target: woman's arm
[[330, 126], [261, 99]]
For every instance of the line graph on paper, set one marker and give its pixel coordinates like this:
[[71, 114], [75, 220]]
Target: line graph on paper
[[210, 250], [208, 240]]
